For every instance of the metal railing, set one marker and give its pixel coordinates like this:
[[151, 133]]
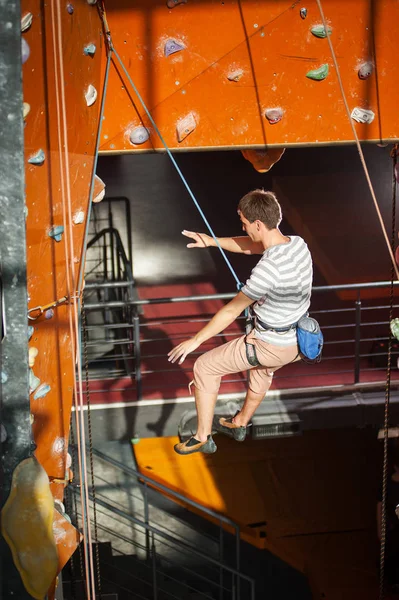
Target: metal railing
[[120, 289], [356, 332], [227, 582]]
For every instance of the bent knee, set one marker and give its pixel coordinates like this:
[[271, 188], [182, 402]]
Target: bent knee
[[199, 366]]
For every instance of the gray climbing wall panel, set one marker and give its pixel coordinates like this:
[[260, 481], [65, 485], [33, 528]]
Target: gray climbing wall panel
[[14, 407]]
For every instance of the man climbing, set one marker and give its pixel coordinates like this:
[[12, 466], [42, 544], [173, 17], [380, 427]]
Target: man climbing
[[279, 289]]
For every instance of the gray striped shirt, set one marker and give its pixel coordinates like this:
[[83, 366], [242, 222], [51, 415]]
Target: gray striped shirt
[[281, 284]]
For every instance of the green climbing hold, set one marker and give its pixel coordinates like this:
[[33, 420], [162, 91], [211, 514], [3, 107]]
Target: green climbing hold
[[319, 31], [395, 328], [318, 74]]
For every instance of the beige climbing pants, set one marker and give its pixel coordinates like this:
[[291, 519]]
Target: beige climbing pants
[[210, 367]]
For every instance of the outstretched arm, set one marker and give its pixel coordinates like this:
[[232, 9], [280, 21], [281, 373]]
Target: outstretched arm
[[223, 318], [241, 244]]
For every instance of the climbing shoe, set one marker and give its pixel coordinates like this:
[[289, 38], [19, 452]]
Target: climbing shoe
[[192, 445], [225, 425]]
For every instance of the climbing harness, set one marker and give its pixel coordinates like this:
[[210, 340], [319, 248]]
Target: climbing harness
[[250, 349], [309, 337]]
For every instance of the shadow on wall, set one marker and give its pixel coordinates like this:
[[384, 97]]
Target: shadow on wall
[[323, 193], [165, 386]]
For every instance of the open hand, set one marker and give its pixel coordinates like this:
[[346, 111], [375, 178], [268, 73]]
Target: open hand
[[201, 240], [181, 351]]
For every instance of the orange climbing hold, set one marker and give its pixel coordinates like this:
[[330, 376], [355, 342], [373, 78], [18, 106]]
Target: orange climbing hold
[[263, 160]]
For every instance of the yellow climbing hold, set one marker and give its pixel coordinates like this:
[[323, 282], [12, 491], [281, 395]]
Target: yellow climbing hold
[[27, 527]]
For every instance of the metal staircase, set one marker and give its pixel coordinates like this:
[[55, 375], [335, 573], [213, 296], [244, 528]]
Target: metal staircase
[[109, 279], [152, 546]]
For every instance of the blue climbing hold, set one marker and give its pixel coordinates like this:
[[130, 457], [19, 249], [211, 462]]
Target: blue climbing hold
[[38, 158], [34, 381], [171, 47], [41, 391], [56, 232], [90, 50]]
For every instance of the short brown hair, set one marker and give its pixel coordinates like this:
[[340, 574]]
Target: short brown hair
[[259, 205]]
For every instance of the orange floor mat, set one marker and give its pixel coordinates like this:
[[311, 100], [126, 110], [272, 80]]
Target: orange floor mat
[[313, 495]]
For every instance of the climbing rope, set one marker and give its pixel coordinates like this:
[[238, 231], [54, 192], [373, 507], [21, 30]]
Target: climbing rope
[[62, 133], [394, 155], [75, 512], [169, 153], [359, 148], [93, 173], [93, 487], [68, 510]]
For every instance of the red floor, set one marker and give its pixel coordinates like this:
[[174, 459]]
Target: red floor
[[165, 325]]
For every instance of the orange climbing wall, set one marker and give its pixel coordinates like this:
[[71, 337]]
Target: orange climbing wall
[[47, 264], [273, 48]]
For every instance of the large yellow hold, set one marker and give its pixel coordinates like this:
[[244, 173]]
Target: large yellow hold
[[27, 527]]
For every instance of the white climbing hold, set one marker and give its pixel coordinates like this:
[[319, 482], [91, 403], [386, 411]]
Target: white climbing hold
[[365, 70], [26, 109], [139, 135], [25, 50], [68, 461], [362, 115], [91, 95], [59, 506], [99, 189], [185, 126], [92, 2], [26, 22], [274, 115], [235, 75], [79, 217], [33, 352]]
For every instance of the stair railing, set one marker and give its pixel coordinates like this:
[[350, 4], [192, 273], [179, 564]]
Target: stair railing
[[151, 530]]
